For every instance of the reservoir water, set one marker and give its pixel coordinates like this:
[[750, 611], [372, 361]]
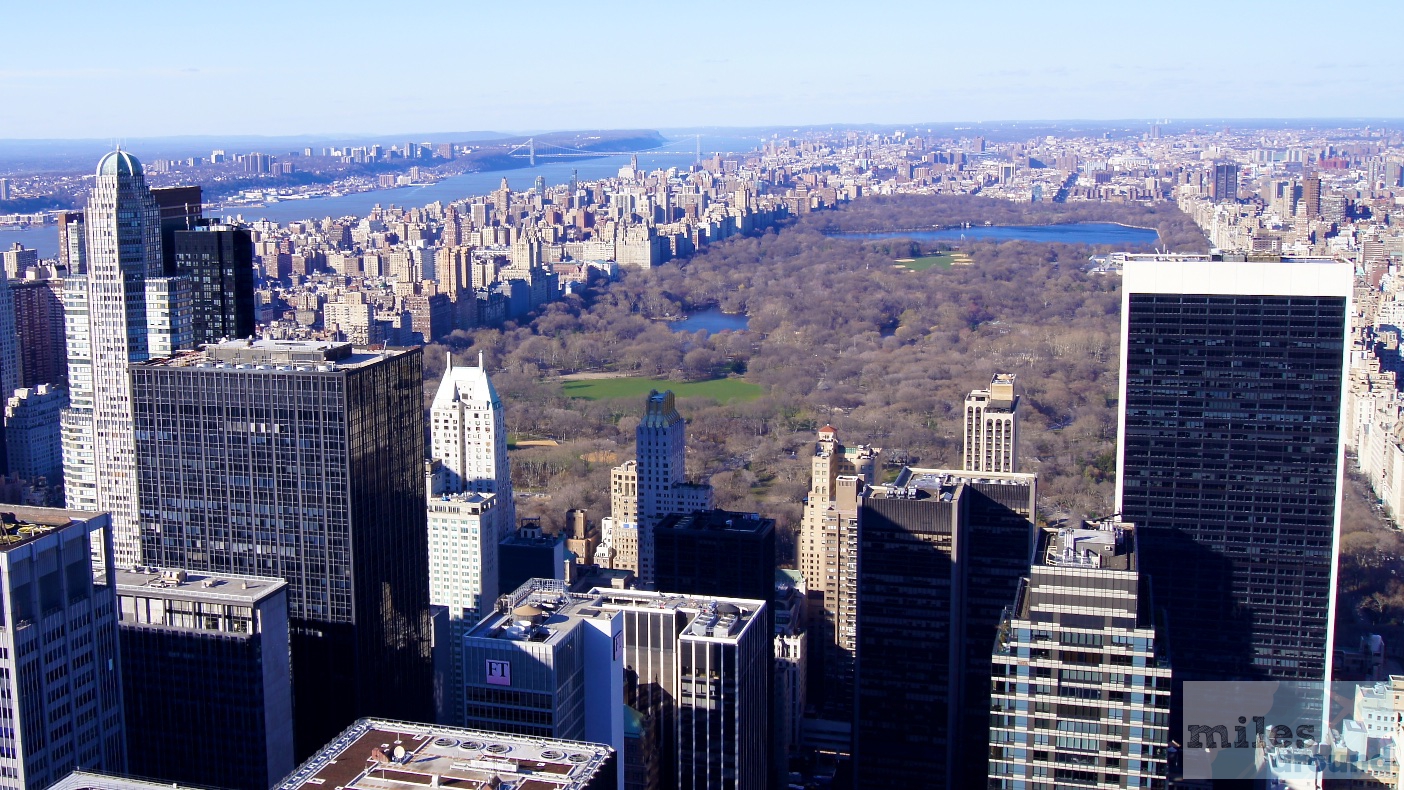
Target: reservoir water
[[1098, 233], [711, 321]]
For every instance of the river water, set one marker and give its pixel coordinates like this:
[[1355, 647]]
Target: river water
[[680, 152]]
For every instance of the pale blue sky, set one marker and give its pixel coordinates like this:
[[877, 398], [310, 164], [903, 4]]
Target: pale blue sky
[[122, 70]]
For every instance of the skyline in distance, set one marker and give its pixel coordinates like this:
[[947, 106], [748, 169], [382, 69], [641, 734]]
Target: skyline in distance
[[352, 68]]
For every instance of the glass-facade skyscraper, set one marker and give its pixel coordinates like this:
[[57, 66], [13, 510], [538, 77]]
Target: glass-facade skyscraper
[[1231, 455], [304, 461]]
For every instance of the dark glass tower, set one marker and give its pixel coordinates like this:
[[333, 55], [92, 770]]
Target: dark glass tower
[[182, 208], [940, 556], [302, 461], [218, 259], [1231, 456]]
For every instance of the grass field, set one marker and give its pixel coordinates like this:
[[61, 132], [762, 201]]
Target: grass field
[[925, 262], [720, 390]]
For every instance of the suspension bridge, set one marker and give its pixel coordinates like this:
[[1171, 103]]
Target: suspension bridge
[[533, 150]]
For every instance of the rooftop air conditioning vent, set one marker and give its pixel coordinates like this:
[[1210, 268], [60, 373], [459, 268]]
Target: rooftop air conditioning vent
[[499, 748], [579, 758], [471, 746], [552, 754], [445, 743]]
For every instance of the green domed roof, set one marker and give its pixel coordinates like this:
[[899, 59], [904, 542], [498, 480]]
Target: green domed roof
[[119, 163]]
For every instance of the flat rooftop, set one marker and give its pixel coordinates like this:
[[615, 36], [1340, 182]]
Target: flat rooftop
[[715, 618], [921, 483], [717, 521], [1100, 545], [182, 585], [280, 355], [21, 525], [377, 754], [541, 611]]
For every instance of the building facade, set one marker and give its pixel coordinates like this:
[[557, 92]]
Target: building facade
[[1080, 687], [61, 688], [218, 260], [213, 650], [1231, 457], [33, 437], [303, 461], [992, 427]]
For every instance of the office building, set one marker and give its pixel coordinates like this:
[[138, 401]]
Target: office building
[[39, 330], [1080, 688], [546, 663], [206, 654], [218, 260], [1230, 455], [179, 208], [62, 700], [940, 554], [303, 461], [992, 427], [377, 754], [530, 553], [123, 312], [11, 360], [828, 558], [1225, 183], [697, 672], [1310, 204], [33, 440], [716, 552], [651, 486]]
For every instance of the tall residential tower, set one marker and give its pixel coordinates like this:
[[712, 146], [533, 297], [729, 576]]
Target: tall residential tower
[[992, 427]]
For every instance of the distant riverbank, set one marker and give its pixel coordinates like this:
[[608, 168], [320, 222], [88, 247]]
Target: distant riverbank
[[1092, 233]]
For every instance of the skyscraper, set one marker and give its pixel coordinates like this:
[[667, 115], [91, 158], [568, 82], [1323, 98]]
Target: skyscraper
[[124, 312], [716, 552], [1310, 205], [1225, 184], [1230, 455], [180, 208], [992, 427], [1081, 686], [211, 649], [39, 331], [651, 486], [32, 436], [304, 461], [940, 554], [828, 558], [470, 505], [218, 259], [59, 660]]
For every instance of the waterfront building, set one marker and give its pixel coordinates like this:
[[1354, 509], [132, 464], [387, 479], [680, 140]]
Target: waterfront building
[[992, 427], [60, 668], [1080, 687], [208, 650], [1230, 455], [303, 461]]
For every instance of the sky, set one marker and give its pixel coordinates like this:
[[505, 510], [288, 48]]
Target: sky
[[85, 69]]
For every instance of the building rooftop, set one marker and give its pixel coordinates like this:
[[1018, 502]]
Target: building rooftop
[[21, 525], [87, 780], [377, 754], [710, 617], [281, 355], [1106, 545], [540, 611], [919, 483], [191, 586], [717, 520]]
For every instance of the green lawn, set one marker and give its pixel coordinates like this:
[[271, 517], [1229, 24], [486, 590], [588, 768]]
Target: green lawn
[[720, 390], [944, 260]]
